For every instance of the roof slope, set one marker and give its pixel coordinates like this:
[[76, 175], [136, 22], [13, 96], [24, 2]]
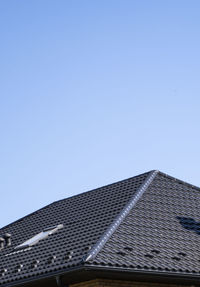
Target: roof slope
[[161, 233], [150, 222], [85, 218]]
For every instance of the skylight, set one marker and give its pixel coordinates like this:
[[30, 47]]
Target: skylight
[[42, 235]]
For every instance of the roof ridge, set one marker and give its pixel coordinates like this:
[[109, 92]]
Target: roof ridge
[[56, 201], [121, 216], [103, 186], [179, 180], [25, 216]]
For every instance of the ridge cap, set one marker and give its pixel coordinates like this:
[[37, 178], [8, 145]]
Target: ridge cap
[[120, 217]]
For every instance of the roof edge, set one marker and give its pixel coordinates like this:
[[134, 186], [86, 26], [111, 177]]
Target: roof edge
[[25, 216], [179, 180], [103, 186], [56, 201], [144, 275], [121, 216]]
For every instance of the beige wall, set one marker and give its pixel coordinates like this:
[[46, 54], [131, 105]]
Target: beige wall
[[117, 283]]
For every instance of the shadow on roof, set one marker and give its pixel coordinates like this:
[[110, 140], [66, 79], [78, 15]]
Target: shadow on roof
[[189, 224]]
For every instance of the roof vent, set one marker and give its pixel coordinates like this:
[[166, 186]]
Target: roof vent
[[176, 258], [2, 241], [7, 237], [182, 254], [128, 248], [149, 256], [87, 248], [121, 253], [155, 251]]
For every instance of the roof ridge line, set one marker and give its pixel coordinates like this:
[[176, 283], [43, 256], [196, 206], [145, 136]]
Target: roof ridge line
[[179, 180], [25, 216], [120, 217], [102, 186]]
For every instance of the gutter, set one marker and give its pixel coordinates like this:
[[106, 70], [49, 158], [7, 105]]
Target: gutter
[[144, 275], [53, 276], [90, 272]]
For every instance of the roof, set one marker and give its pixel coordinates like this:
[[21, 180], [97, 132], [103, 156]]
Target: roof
[[150, 222]]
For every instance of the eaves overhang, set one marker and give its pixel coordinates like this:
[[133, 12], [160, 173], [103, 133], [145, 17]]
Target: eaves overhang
[[129, 274], [84, 273]]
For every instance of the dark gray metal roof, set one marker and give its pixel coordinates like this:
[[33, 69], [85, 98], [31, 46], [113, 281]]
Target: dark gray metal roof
[[85, 218], [150, 222], [161, 233]]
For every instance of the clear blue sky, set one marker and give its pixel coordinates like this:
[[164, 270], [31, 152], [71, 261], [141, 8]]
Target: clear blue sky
[[92, 92]]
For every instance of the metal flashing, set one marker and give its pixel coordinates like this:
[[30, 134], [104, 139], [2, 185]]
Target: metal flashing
[[125, 211]]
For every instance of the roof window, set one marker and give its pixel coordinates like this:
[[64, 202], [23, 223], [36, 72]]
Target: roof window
[[42, 235]]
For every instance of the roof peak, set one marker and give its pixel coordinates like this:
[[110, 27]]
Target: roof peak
[[146, 222]]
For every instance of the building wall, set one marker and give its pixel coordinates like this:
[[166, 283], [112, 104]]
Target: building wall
[[117, 283]]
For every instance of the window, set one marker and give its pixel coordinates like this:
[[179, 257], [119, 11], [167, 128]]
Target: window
[[42, 235]]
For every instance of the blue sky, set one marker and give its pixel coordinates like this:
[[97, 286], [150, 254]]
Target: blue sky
[[92, 92]]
